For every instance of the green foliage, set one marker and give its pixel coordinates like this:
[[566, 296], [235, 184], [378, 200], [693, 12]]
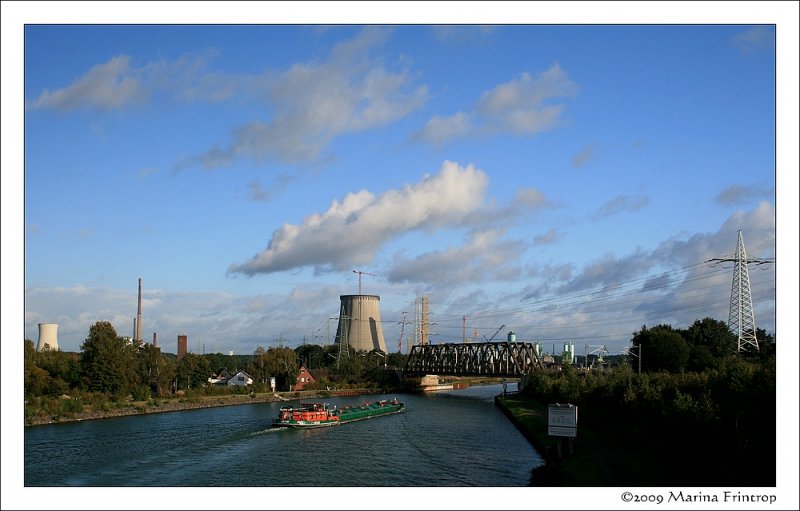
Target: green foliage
[[713, 335], [662, 348], [192, 371], [108, 361], [282, 363], [141, 393], [723, 418]]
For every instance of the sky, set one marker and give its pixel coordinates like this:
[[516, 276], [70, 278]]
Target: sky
[[570, 182]]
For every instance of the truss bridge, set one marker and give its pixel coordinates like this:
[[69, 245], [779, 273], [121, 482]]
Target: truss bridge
[[506, 359]]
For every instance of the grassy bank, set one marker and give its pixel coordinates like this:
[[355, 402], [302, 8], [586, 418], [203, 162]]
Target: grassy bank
[[592, 462], [68, 409]]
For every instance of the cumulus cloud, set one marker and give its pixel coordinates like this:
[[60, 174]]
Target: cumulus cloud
[[676, 282], [309, 103], [352, 230], [118, 84], [484, 257], [522, 106], [315, 102]]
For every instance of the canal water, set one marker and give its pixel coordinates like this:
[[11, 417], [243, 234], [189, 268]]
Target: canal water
[[455, 438]]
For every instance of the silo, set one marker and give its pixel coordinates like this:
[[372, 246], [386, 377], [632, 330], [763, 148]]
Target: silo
[[48, 337], [512, 337], [360, 322]]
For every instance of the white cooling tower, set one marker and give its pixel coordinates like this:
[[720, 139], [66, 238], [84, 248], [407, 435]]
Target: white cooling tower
[[360, 323], [48, 337]]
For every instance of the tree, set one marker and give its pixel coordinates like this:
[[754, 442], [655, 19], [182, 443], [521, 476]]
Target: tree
[[109, 362], [282, 364], [258, 366], [710, 340], [664, 349], [713, 334], [193, 371], [311, 355]]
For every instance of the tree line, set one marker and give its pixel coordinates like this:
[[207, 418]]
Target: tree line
[[700, 413], [117, 367]]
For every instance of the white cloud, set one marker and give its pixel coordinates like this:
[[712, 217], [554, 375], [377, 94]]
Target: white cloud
[[754, 39], [520, 107], [439, 130], [601, 302], [483, 258], [619, 204], [312, 103], [738, 194], [117, 84], [316, 102], [583, 157], [111, 85], [352, 230], [548, 238]]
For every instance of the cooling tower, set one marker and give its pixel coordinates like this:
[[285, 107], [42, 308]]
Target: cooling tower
[[48, 337], [360, 323]]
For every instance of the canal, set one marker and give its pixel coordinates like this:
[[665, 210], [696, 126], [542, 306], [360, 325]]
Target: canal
[[455, 438]]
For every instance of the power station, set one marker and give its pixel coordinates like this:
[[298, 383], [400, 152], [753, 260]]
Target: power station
[[48, 337], [360, 323]]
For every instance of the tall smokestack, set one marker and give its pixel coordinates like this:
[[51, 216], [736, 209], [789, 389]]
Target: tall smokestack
[[155, 340], [139, 314]]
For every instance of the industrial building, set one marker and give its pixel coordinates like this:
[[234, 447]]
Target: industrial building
[[48, 337], [360, 323]]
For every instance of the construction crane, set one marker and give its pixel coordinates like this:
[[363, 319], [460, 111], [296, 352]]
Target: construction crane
[[494, 334], [402, 329], [360, 273]]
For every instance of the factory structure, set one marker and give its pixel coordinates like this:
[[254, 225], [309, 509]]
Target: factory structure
[[48, 337], [360, 323]]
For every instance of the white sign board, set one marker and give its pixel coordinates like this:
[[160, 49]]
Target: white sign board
[[562, 420], [272, 383]]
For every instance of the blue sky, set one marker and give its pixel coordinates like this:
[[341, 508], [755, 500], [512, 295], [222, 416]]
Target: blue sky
[[536, 177], [566, 172]]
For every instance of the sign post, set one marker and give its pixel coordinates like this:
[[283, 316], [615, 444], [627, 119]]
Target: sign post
[[562, 421], [272, 383]]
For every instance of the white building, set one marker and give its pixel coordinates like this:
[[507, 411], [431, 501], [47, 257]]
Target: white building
[[241, 378]]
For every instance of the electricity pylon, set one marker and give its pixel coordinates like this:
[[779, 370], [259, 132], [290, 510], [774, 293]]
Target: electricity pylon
[[741, 319], [344, 337]]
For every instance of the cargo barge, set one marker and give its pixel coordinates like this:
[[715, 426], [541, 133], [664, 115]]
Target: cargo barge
[[320, 415]]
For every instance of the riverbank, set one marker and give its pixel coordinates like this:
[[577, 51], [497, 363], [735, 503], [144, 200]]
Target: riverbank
[[591, 461], [192, 401], [182, 403]]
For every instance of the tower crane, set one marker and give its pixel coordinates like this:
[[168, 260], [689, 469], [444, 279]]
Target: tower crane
[[360, 273], [494, 334], [402, 329]]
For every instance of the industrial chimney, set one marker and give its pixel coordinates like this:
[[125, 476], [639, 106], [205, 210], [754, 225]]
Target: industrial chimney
[[139, 315], [182, 345], [360, 323], [48, 337]]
